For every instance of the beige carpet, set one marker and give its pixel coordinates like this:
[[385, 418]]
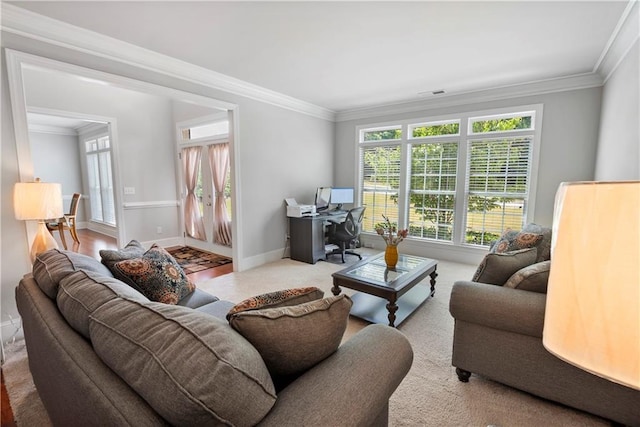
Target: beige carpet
[[430, 395]]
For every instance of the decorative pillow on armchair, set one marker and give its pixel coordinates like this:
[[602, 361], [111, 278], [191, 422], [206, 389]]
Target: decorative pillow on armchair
[[156, 274], [497, 268], [512, 240], [292, 339], [532, 278]]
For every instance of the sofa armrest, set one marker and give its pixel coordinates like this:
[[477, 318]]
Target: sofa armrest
[[497, 307], [350, 387]]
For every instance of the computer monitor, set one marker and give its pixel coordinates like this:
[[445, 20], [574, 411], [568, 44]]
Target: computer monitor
[[340, 196], [323, 195]]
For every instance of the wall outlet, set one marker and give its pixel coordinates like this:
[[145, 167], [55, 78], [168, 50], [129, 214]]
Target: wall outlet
[[159, 230], [129, 190]]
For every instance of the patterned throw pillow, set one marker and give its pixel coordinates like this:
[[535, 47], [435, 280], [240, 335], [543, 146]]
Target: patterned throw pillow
[[157, 275], [295, 338], [513, 240], [277, 299]]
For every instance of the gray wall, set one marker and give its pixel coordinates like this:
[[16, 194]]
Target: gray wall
[[56, 158], [619, 145]]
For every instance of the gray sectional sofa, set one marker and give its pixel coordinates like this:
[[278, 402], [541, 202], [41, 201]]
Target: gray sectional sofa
[[101, 353]]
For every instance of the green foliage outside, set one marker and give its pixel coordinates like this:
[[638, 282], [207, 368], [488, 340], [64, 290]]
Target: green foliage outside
[[496, 166]]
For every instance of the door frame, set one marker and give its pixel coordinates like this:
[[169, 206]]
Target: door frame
[[16, 61], [207, 245]]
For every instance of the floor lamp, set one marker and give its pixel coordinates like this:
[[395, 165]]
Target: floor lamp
[[38, 201], [592, 317]]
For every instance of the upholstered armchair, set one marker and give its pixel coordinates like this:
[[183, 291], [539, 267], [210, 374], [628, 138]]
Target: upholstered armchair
[[499, 318]]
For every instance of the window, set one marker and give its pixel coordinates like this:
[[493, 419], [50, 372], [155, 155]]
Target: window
[[98, 151], [461, 180]]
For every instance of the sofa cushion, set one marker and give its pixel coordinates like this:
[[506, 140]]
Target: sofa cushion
[[532, 278], [512, 240], [281, 298], [51, 266], [109, 257], [82, 292], [197, 298], [157, 275], [496, 268], [544, 246], [192, 368], [294, 338]]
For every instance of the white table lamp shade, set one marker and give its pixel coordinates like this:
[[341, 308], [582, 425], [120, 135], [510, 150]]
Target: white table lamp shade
[[592, 317], [38, 201]]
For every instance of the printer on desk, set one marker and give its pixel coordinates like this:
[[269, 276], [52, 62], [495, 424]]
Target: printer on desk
[[301, 210], [297, 211]]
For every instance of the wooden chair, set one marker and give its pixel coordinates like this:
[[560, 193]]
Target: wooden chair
[[67, 222]]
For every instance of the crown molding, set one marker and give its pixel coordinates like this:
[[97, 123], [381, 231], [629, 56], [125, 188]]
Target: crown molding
[[624, 37], [31, 25], [561, 84], [53, 130], [38, 27]]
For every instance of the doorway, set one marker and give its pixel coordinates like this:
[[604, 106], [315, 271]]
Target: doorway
[[203, 145]]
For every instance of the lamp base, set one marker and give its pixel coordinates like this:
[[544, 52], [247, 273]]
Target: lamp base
[[42, 242]]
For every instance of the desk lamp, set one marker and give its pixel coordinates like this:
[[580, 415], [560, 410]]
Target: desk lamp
[[592, 317], [38, 201]]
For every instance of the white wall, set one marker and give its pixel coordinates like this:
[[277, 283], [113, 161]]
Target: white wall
[[56, 158], [619, 140], [567, 152]]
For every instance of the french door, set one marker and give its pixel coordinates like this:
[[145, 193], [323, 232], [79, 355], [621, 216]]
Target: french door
[[206, 196]]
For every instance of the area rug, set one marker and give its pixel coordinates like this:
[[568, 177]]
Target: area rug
[[193, 260], [430, 394]]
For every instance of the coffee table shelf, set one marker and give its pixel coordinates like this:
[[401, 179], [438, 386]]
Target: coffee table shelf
[[387, 295]]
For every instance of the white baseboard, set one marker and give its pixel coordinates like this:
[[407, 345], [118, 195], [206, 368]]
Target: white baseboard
[[260, 259], [165, 243]]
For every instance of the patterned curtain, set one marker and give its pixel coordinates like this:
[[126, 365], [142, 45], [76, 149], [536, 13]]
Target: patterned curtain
[[219, 164], [193, 223]]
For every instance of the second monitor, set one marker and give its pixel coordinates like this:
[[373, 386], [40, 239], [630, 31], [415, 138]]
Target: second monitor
[[340, 196]]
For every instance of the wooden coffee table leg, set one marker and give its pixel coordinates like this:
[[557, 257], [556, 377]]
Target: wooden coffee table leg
[[433, 282], [392, 308], [336, 289]]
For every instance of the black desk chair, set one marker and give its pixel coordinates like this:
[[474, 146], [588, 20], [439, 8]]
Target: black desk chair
[[343, 233]]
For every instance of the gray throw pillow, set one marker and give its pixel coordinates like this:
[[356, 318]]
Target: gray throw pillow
[[292, 339], [192, 368], [109, 257], [532, 278], [496, 268]]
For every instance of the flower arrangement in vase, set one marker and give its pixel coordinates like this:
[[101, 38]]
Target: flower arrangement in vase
[[392, 237]]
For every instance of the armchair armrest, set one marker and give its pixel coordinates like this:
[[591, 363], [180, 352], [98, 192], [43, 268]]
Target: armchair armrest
[[350, 387], [498, 307]]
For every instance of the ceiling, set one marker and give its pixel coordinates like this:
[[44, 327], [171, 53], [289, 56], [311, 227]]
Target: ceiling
[[348, 55]]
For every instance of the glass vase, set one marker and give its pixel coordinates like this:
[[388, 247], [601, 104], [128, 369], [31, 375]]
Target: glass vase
[[391, 256]]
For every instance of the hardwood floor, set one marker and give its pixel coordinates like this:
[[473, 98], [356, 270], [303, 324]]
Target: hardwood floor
[[90, 244]]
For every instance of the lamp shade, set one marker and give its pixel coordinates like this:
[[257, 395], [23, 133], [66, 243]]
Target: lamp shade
[[592, 317], [37, 200]]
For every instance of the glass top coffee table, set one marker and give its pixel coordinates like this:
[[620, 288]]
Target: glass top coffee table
[[375, 283]]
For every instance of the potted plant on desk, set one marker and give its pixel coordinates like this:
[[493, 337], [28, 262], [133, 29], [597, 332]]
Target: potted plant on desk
[[392, 237]]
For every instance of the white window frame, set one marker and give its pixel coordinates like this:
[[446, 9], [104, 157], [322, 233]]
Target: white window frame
[[463, 137], [90, 136]]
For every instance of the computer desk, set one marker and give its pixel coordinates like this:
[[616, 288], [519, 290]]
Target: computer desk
[[307, 235]]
